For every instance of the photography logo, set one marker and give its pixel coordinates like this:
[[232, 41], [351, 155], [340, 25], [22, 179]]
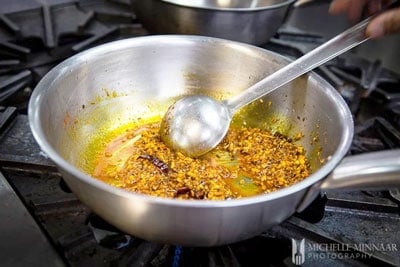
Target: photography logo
[[298, 251]]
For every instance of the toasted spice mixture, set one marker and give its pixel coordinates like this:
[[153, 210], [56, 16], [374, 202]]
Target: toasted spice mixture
[[249, 161]]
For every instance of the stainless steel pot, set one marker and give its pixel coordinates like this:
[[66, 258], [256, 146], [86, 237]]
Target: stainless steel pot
[[107, 86], [249, 21]]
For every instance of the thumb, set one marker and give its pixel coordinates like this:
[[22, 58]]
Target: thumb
[[386, 23]]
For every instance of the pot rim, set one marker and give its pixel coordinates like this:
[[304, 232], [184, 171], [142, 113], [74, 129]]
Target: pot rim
[[190, 4], [45, 85]]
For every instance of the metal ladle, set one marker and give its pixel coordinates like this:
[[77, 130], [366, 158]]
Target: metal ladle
[[196, 124]]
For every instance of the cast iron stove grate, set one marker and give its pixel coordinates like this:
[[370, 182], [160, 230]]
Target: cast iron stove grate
[[36, 35]]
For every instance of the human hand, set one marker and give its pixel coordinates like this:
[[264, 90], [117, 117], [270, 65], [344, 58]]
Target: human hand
[[386, 23]]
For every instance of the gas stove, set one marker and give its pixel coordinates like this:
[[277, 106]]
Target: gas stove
[[45, 224]]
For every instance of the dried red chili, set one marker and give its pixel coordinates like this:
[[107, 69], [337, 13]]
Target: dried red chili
[[161, 165], [182, 190]]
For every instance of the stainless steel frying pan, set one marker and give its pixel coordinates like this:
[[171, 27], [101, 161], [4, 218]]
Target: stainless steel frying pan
[[124, 80]]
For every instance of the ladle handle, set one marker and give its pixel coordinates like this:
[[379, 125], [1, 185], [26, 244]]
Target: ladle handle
[[332, 48]]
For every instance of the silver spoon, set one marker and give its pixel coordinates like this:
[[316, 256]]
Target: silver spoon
[[196, 124]]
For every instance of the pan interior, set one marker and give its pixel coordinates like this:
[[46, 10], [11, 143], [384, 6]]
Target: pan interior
[[120, 83]]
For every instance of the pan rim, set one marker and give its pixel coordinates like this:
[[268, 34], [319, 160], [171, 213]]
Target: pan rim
[[187, 4]]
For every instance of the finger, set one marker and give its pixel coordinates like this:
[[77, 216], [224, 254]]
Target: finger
[[386, 23], [338, 6], [374, 6], [353, 8], [356, 9]]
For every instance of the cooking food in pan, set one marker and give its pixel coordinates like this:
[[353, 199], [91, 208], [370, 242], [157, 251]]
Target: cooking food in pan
[[249, 161]]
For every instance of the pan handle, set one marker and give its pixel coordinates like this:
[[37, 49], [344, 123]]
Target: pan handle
[[375, 170]]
